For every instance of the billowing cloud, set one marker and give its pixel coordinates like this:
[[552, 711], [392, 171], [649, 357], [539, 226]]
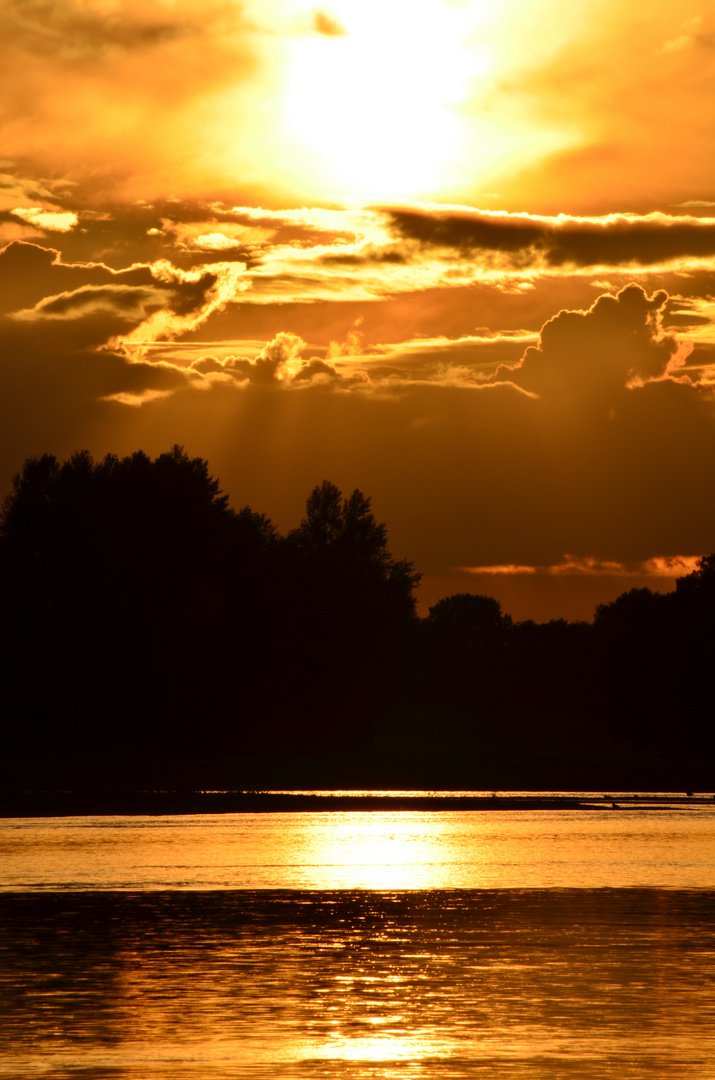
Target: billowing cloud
[[587, 359], [362, 255], [17, 190], [62, 353], [276, 362], [279, 363]]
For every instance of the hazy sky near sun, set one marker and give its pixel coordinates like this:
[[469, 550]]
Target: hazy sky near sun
[[456, 253]]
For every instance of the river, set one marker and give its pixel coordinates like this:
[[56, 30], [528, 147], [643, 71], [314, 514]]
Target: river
[[530, 944]]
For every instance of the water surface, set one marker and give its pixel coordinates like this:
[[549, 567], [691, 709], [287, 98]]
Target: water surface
[[374, 850], [404, 945]]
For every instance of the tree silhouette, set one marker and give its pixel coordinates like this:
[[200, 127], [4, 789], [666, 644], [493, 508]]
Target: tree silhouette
[[140, 616], [655, 652], [166, 623], [349, 605], [470, 618], [461, 653], [127, 581], [342, 534]]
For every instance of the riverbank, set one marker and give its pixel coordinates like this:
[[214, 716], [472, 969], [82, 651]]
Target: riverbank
[[40, 787], [147, 803]]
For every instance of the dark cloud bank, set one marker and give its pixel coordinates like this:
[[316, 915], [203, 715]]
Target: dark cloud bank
[[524, 239]]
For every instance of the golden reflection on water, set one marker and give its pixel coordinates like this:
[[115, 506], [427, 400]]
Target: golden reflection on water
[[290, 985], [539, 945], [386, 1049], [380, 850]]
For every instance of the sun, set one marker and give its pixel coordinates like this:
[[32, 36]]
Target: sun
[[376, 103]]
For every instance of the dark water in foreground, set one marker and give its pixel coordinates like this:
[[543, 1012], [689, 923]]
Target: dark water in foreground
[[167, 983], [359, 984]]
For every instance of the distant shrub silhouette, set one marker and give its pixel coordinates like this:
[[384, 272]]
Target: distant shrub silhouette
[[473, 619]]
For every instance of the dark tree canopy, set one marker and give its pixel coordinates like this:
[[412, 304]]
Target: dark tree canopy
[[632, 609], [349, 606], [700, 582], [473, 618], [141, 616], [49, 502], [124, 580], [160, 615], [344, 533]]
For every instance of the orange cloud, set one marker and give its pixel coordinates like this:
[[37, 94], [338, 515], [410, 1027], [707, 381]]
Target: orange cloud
[[279, 363], [143, 88], [587, 359], [496, 449], [659, 566], [53, 220]]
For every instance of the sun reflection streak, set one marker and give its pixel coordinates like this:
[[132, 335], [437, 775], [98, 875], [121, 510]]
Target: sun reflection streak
[[382, 852], [366, 850], [383, 1049]]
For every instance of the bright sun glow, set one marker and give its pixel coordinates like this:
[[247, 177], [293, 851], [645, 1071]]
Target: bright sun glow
[[381, 119], [387, 100]]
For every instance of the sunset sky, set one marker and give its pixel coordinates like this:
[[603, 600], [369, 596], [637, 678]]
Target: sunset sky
[[455, 253]]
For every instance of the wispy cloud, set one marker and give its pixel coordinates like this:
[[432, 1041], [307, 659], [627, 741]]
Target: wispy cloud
[[659, 566], [523, 241], [53, 220]]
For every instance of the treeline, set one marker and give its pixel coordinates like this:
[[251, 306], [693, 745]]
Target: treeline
[[141, 615]]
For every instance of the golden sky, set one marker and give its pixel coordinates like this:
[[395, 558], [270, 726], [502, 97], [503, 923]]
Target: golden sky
[[456, 253]]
